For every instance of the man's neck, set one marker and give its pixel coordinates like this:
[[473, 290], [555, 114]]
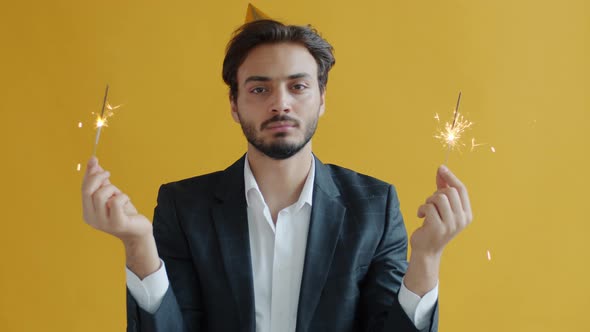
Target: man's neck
[[280, 181]]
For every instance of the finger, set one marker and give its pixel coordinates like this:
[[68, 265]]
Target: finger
[[93, 161], [88, 189], [106, 182], [431, 220], [440, 181], [117, 205], [100, 199], [95, 180], [443, 207], [429, 212], [93, 166], [447, 177], [454, 199]]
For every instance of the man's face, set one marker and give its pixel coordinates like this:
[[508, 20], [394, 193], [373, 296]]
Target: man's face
[[278, 102]]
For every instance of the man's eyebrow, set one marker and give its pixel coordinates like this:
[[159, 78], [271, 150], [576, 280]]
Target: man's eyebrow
[[299, 75], [267, 79], [257, 79]]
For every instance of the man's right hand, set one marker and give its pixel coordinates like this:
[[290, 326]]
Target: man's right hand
[[108, 209]]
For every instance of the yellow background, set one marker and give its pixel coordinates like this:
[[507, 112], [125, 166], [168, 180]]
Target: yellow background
[[522, 66]]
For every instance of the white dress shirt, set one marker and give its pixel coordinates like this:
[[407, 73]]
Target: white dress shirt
[[278, 252]]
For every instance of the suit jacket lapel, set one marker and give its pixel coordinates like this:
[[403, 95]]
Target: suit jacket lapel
[[324, 231], [230, 218]]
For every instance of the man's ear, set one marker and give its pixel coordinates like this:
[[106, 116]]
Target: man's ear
[[323, 102], [234, 109]]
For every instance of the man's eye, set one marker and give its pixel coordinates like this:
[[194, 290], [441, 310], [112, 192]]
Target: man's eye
[[258, 90], [299, 86]]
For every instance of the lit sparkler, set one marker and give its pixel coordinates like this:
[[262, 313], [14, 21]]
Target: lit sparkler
[[450, 135], [102, 119]]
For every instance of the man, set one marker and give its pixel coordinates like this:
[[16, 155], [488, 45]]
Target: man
[[278, 241]]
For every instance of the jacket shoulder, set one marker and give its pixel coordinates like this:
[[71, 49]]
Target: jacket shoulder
[[348, 180], [361, 191], [193, 189]]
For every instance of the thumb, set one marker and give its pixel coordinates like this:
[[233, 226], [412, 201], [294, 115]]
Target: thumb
[[441, 183], [92, 161]]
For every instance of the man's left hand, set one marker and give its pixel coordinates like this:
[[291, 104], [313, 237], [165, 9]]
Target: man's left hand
[[446, 213]]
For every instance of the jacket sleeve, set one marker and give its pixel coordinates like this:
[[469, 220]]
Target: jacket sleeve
[[181, 309], [380, 307]]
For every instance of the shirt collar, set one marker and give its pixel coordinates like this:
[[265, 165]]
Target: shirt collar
[[306, 193]]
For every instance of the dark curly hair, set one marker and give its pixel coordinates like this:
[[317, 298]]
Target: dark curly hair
[[255, 33]]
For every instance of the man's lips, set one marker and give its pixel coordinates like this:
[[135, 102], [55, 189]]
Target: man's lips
[[281, 125]]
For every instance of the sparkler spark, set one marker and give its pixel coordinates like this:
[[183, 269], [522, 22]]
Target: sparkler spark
[[450, 135], [78, 167], [79, 124], [489, 256], [102, 119], [474, 145]]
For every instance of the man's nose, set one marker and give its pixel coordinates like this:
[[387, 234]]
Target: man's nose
[[281, 101]]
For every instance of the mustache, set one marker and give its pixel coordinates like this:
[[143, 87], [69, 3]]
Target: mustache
[[279, 118]]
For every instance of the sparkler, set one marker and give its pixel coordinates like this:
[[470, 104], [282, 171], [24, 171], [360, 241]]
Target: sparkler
[[102, 119], [451, 134]]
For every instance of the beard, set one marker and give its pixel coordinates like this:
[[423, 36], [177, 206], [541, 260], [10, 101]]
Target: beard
[[278, 148]]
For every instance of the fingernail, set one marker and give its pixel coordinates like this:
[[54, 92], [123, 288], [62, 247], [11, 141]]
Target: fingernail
[[443, 168]]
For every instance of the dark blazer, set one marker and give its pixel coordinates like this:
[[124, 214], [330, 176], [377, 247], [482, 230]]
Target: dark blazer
[[354, 262]]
